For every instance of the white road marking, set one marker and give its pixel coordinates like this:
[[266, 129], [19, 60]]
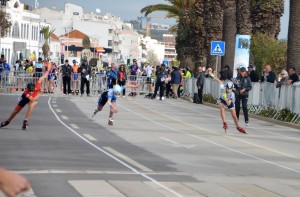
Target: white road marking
[[54, 105], [58, 110], [214, 143], [74, 126], [218, 133], [112, 156], [53, 101], [88, 136], [127, 159], [176, 144], [65, 117]]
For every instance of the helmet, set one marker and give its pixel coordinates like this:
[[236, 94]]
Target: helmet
[[30, 87], [229, 85], [117, 89]]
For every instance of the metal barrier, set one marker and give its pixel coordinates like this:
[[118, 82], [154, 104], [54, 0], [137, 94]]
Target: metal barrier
[[262, 96]]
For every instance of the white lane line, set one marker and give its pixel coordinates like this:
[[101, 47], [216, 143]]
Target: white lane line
[[88, 136], [53, 101], [58, 110], [74, 126], [54, 105], [218, 133], [214, 143], [112, 156], [176, 144], [65, 117], [127, 159]]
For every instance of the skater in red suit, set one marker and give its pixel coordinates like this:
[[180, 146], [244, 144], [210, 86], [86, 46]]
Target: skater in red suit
[[30, 97]]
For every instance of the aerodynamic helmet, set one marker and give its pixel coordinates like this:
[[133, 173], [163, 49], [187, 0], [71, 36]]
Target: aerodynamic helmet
[[30, 87], [117, 89], [229, 85]]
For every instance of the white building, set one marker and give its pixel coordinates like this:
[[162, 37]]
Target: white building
[[23, 39], [148, 44]]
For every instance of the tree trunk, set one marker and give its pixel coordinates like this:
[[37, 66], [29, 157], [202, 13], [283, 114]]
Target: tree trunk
[[265, 17], [213, 24], [229, 32], [293, 57], [243, 17]]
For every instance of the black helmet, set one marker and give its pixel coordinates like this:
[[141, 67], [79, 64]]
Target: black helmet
[[30, 87]]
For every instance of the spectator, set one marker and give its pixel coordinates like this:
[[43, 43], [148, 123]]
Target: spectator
[[122, 77], [85, 71], [27, 64], [30, 68], [12, 184], [168, 84], [243, 86], [75, 81], [133, 74], [149, 71], [161, 75], [253, 74], [208, 72], [38, 68], [175, 81], [187, 73], [268, 74], [112, 75], [200, 82], [66, 71], [292, 76], [284, 78], [227, 75], [1, 69]]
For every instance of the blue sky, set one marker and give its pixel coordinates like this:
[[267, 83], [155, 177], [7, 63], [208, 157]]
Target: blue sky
[[130, 9]]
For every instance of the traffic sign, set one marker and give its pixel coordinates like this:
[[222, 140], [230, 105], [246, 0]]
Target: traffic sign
[[166, 63], [217, 48]]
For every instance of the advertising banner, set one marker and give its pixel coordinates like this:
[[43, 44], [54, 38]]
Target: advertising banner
[[242, 52]]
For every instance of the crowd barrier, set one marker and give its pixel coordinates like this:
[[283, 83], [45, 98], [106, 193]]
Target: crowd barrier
[[262, 96], [17, 81]]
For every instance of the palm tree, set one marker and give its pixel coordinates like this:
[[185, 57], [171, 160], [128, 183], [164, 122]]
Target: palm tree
[[229, 32], [293, 57], [243, 17], [265, 17], [46, 33], [5, 23]]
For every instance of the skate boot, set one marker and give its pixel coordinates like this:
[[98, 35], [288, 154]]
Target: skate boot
[[25, 125], [241, 130], [95, 112], [225, 126], [5, 123], [111, 122]]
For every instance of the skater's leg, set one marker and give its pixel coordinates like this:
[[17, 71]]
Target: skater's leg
[[222, 112], [31, 105], [14, 113]]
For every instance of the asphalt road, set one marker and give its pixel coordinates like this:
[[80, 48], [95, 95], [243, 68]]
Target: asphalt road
[[155, 148]]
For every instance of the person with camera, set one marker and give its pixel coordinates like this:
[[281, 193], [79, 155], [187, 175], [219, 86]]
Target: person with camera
[[242, 87]]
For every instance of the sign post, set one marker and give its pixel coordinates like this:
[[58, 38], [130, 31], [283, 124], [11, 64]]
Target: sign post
[[217, 48]]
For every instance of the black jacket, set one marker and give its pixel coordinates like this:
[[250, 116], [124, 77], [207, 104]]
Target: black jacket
[[66, 70], [200, 79], [243, 83], [87, 68]]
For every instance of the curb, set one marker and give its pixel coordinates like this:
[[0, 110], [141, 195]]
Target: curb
[[270, 120]]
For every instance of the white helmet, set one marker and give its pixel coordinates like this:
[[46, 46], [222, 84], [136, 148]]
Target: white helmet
[[117, 89], [229, 85]]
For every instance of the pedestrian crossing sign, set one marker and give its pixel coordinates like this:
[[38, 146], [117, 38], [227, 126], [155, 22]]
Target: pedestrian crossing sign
[[217, 48]]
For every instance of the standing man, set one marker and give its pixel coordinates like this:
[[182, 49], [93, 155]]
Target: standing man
[[38, 68], [133, 72], [85, 71], [112, 75], [149, 71], [66, 71], [161, 75], [292, 76], [175, 81], [253, 74], [200, 82]]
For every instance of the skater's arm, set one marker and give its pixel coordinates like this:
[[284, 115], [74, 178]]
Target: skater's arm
[[41, 79], [112, 105], [131, 86]]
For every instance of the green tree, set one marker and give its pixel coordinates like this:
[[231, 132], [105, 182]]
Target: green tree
[[46, 33], [5, 23], [268, 50], [293, 55], [152, 58]]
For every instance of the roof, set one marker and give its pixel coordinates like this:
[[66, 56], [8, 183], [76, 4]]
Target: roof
[[54, 37], [75, 34]]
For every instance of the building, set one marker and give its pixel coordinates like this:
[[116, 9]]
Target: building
[[170, 50], [23, 39]]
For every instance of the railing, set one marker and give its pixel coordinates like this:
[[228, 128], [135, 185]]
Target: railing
[[262, 96]]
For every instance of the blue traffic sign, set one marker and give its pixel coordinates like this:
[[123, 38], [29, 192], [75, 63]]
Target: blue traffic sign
[[166, 63], [217, 48]]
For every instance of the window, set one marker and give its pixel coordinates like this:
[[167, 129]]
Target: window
[[16, 30]]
